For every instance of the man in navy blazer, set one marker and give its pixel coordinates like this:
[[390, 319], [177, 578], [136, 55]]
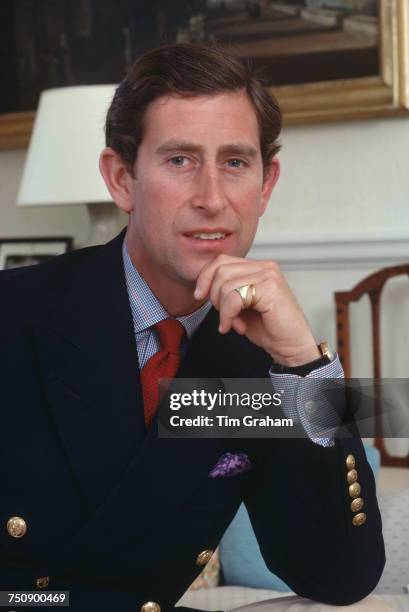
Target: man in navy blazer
[[93, 501]]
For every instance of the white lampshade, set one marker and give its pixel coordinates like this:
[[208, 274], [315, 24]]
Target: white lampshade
[[68, 136], [62, 160]]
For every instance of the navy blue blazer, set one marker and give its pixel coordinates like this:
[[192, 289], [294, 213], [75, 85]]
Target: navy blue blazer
[[118, 516]]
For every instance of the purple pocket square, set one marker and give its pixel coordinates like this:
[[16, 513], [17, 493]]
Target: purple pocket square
[[230, 464]]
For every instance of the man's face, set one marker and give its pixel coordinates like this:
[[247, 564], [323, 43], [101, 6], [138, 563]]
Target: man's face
[[198, 189]]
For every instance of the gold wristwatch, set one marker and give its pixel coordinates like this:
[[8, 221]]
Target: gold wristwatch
[[326, 351], [327, 356]]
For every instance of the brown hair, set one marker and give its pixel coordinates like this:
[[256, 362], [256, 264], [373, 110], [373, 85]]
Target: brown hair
[[185, 69]]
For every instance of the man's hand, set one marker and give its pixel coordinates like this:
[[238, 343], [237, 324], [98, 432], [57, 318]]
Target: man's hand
[[275, 321]]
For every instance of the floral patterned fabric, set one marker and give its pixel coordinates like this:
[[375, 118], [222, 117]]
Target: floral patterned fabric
[[209, 578], [230, 464]]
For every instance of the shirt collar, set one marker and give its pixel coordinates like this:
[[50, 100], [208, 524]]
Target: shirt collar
[[145, 306]]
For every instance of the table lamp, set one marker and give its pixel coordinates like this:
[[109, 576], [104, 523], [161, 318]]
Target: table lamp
[[62, 162]]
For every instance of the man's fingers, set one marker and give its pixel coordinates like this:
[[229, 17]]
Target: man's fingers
[[239, 326], [229, 302], [233, 277], [205, 278], [222, 291], [222, 269]]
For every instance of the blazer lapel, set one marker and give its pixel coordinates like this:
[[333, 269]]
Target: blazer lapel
[[90, 370]]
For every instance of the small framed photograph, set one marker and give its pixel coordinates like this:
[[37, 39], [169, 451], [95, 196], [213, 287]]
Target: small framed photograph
[[19, 252]]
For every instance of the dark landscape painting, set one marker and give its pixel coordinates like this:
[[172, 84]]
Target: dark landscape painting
[[53, 43]]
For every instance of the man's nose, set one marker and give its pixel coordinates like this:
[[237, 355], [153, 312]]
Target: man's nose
[[209, 194]]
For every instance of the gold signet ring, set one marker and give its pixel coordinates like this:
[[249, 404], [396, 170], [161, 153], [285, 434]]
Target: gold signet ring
[[247, 294]]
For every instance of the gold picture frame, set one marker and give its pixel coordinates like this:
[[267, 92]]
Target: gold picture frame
[[386, 94]]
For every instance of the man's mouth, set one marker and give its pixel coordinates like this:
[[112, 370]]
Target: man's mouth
[[216, 235], [212, 236]]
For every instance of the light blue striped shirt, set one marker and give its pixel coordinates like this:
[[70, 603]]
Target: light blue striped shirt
[[299, 400]]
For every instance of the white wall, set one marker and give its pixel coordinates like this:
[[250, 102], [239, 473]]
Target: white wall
[[342, 179]]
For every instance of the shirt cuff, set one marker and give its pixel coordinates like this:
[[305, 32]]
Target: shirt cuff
[[305, 399]]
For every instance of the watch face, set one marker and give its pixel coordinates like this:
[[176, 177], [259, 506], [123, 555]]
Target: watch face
[[326, 351]]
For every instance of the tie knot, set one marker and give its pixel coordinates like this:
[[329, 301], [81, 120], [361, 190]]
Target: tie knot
[[170, 332]]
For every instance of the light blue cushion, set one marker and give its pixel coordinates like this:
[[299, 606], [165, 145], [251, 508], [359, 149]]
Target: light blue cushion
[[240, 555], [241, 558], [374, 458]]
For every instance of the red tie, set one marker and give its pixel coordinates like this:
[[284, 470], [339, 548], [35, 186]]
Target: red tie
[[163, 364]]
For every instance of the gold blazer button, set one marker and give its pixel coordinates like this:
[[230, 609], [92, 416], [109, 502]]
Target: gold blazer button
[[204, 557], [350, 461], [43, 582], [357, 504], [150, 606], [359, 519], [355, 489], [16, 527]]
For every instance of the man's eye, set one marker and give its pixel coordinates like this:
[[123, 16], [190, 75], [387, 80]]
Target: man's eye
[[178, 160], [236, 163]]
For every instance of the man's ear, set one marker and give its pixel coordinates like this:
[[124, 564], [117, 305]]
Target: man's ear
[[117, 178], [271, 176]]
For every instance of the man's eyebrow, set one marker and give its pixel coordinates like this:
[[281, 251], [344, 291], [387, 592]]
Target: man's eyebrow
[[235, 148], [171, 146], [238, 148]]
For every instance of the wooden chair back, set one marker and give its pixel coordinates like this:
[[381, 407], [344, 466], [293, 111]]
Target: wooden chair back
[[372, 286]]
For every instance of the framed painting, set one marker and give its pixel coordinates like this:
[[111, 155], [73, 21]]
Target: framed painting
[[19, 252], [325, 60]]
